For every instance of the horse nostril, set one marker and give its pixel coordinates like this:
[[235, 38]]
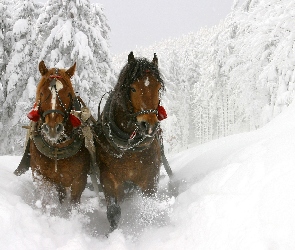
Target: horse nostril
[[45, 128], [59, 128], [143, 126]]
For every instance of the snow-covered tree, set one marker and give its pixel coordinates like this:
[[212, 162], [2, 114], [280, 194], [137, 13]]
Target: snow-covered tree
[[61, 32], [240, 73], [21, 67], [75, 31], [5, 46], [230, 78], [19, 74]]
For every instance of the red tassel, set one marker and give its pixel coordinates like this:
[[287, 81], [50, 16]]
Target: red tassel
[[161, 113], [75, 121], [34, 115]]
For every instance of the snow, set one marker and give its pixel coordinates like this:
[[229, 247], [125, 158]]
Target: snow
[[81, 47], [233, 193], [147, 82], [20, 27]]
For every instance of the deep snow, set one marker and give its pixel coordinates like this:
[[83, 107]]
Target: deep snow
[[234, 193]]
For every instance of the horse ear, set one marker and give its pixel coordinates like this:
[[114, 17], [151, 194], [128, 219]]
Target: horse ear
[[155, 59], [70, 72], [42, 68], [131, 57]]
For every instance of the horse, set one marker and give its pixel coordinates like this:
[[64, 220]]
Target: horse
[[128, 141], [58, 156]]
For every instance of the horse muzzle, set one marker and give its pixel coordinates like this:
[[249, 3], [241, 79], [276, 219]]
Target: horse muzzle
[[147, 125], [52, 133]]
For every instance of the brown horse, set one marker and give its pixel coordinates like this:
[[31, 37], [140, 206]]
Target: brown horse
[[58, 155], [128, 144]]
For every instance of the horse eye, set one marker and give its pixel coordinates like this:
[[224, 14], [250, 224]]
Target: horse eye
[[133, 89]]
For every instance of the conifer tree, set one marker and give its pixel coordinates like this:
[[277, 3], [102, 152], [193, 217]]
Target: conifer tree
[[5, 47], [60, 33], [19, 74], [75, 31]]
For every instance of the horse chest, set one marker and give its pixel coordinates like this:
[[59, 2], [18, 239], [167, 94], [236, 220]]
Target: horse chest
[[66, 170], [131, 165]]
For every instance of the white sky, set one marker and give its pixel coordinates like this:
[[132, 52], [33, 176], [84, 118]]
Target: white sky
[[142, 23]]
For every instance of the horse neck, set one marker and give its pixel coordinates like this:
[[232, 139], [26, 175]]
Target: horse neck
[[121, 116]]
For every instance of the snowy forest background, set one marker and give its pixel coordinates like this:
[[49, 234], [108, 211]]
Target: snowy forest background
[[230, 78]]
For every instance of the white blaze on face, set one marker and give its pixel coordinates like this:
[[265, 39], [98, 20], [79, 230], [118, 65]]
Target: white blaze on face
[[59, 86], [147, 82]]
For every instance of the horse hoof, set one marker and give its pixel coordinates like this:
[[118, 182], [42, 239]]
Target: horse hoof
[[113, 215], [20, 171], [111, 229]]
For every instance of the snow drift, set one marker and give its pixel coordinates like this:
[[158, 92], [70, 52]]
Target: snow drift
[[233, 193]]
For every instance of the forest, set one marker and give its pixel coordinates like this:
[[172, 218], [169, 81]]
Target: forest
[[227, 79]]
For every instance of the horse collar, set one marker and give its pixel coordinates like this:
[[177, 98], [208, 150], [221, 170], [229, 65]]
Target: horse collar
[[57, 153], [119, 139]]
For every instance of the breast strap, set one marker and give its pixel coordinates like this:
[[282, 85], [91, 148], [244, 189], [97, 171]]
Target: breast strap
[[57, 152]]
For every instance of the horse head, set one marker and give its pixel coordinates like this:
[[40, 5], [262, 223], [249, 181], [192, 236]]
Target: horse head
[[54, 101], [144, 93]]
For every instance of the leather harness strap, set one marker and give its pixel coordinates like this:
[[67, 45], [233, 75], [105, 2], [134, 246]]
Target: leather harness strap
[[60, 152], [119, 139]]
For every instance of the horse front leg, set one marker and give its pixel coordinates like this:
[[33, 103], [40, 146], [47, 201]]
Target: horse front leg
[[113, 213], [113, 193], [62, 193], [150, 186], [77, 188]]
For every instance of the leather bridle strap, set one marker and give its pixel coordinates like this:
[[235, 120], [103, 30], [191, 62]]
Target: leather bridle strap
[[53, 82], [145, 112], [47, 112]]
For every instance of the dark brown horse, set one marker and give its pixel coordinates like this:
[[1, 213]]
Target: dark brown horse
[[128, 145], [57, 150]]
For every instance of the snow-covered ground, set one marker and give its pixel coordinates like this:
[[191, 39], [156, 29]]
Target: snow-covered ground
[[233, 193]]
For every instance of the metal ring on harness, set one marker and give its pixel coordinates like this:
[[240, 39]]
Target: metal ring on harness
[[145, 112]]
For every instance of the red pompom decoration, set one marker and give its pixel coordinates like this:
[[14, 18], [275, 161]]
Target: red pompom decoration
[[161, 113], [34, 115], [75, 121]]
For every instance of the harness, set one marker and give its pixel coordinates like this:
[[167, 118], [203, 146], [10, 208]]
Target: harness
[[120, 140], [73, 143], [58, 152]]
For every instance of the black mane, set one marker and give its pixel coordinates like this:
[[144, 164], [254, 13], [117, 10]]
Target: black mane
[[135, 69]]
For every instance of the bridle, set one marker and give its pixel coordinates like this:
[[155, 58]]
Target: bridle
[[120, 140], [145, 112], [69, 144], [66, 112]]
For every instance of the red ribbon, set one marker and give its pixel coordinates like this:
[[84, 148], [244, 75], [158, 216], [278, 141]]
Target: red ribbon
[[161, 113], [55, 76], [75, 121], [34, 115]]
